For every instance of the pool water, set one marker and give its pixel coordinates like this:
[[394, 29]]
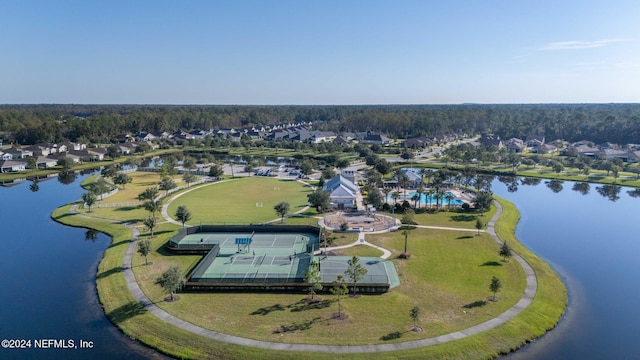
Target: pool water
[[427, 199]]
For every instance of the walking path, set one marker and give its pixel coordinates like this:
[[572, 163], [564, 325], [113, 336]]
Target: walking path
[[526, 299]]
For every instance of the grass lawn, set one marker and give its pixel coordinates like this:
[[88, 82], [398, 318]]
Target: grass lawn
[[235, 201], [133, 212], [358, 250], [447, 277], [455, 219]]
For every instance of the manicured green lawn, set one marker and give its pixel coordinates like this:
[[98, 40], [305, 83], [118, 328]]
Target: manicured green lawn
[[247, 200], [447, 277], [466, 220], [359, 250]]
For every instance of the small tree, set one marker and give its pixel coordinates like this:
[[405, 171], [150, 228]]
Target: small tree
[[505, 251], [339, 289], [183, 214], [313, 277], [355, 271], [407, 217], [89, 198], [152, 207], [415, 314], [216, 171], [150, 223], [479, 225], [148, 194], [166, 184], [282, 209], [171, 280], [319, 199], [189, 178], [122, 179], [144, 248], [495, 286]]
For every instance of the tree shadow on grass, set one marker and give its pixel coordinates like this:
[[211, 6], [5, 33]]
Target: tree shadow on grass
[[126, 208], [111, 271], [122, 242], [491, 263], [267, 310], [464, 237], [463, 218], [391, 336], [478, 303], [127, 311], [303, 305], [302, 326]]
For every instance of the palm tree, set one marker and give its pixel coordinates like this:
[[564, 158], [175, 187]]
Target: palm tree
[[386, 192], [419, 192], [395, 195], [415, 198], [448, 197], [424, 172], [430, 193]]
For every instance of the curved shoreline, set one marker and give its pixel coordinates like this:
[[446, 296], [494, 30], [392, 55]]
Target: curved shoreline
[[527, 298], [522, 304]]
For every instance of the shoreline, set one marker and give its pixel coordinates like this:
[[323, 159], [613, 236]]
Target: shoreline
[[130, 330]]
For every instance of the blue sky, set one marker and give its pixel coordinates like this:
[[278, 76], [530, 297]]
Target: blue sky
[[319, 52]]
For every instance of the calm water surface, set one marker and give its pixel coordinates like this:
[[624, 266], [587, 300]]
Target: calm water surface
[[593, 244], [47, 279]]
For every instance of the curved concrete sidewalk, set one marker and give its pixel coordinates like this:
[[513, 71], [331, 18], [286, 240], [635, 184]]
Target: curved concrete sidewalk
[[526, 299]]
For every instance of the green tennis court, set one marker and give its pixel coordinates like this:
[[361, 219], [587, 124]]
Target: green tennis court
[[273, 258], [252, 257]]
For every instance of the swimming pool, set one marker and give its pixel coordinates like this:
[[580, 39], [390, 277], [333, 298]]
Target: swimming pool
[[427, 199]]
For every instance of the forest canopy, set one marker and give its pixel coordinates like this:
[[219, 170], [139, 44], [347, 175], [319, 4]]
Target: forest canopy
[[616, 123]]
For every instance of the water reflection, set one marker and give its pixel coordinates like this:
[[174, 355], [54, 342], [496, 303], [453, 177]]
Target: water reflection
[[611, 192], [555, 185], [581, 187]]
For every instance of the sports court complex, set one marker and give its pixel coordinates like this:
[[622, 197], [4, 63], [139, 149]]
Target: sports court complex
[[268, 258]]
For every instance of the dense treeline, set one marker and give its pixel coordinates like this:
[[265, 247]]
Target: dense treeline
[[618, 123]]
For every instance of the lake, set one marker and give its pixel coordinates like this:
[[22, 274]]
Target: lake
[[48, 272], [593, 244], [48, 279]]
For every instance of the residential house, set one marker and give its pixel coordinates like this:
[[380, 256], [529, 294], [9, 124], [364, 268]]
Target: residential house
[[340, 141], [12, 165], [586, 150], [515, 145], [322, 136], [96, 154], [611, 154], [378, 139], [5, 156], [146, 136], [533, 141], [44, 162], [418, 142], [74, 146], [489, 140], [39, 149], [342, 192], [546, 149], [123, 149]]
